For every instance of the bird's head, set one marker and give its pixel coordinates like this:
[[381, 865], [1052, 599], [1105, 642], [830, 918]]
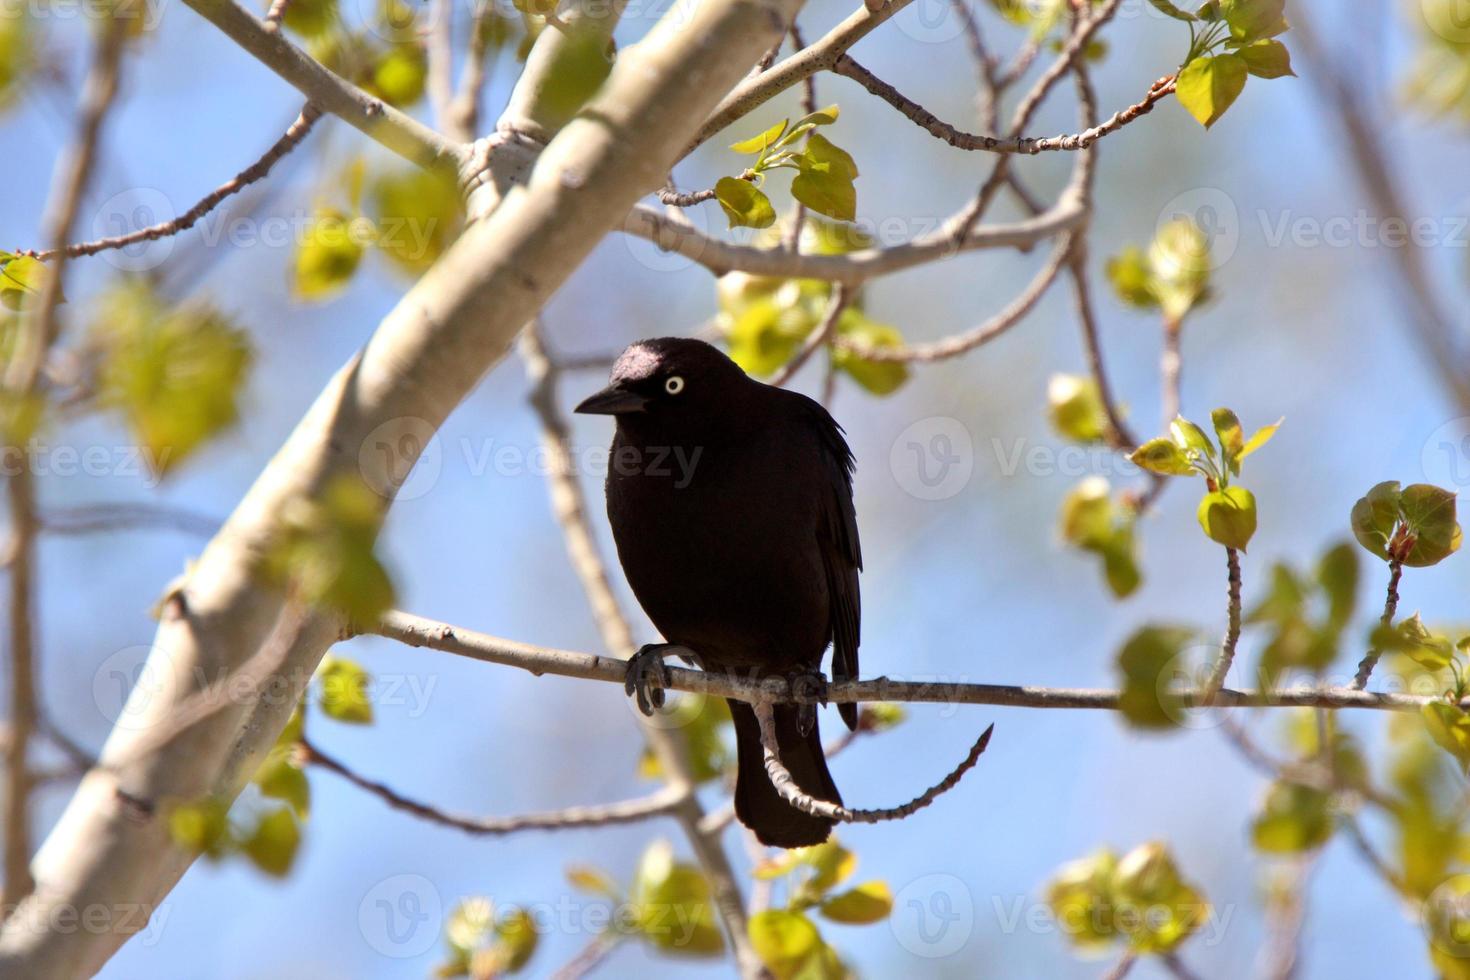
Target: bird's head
[[667, 379]]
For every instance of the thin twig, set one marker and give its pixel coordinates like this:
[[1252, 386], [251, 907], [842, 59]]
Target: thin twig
[[464, 111], [439, 53], [1390, 607], [1170, 366], [255, 172], [963, 343], [658, 804], [32, 342], [276, 14], [786, 786], [819, 337], [590, 957], [1122, 967], [1223, 663], [1029, 145], [107, 518]]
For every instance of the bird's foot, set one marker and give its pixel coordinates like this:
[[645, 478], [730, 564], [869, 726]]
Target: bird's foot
[[807, 683], [648, 675]]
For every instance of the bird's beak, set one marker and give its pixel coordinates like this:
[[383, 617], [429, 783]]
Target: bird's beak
[[612, 400]]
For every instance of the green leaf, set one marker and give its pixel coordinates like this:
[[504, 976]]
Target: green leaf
[[1228, 516], [1411, 638], [328, 256], [1294, 818], [1188, 436], [759, 142], [311, 18], [1076, 408], [593, 880], [325, 552], [1450, 729], [1337, 573], [1091, 521], [822, 117], [1259, 438], [1209, 84], [1228, 431], [1179, 260], [1081, 895], [418, 214], [344, 691], [784, 940], [278, 779], [1165, 7], [1429, 514], [516, 938], [201, 826], [876, 377], [1147, 698], [1266, 59], [1375, 515], [869, 902], [20, 276], [825, 181], [744, 204], [272, 846], [173, 374], [400, 74], [1251, 20], [1132, 278], [1164, 456], [579, 66], [671, 905], [1146, 878]]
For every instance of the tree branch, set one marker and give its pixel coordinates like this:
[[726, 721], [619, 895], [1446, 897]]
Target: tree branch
[[419, 632], [258, 170], [1390, 607], [1030, 145], [786, 786], [658, 804], [721, 256], [1232, 630], [396, 130], [32, 342]]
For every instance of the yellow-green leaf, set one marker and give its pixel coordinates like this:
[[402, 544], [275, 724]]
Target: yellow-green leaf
[[1209, 84], [869, 902], [744, 204], [1266, 59], [759, 142], [1164, 456], [784, 940], [345, 688], [1228, 516], [272, 846], [1294, 818], [328, 256]]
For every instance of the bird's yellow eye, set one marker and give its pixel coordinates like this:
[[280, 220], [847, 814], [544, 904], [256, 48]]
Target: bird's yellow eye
[[674, 385]]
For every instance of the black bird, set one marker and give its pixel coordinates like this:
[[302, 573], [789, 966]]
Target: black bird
[[731, 505]]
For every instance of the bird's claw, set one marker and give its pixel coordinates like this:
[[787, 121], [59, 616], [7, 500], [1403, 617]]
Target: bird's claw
[[647, 677], [807, 683]]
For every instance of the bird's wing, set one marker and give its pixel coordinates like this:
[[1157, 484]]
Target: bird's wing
[[842, 556]]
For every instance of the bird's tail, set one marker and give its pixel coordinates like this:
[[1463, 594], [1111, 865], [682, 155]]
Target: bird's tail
[[777, 823]]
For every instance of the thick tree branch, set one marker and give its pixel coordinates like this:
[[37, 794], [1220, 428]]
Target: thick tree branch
[[758, 89], [430, 351]]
